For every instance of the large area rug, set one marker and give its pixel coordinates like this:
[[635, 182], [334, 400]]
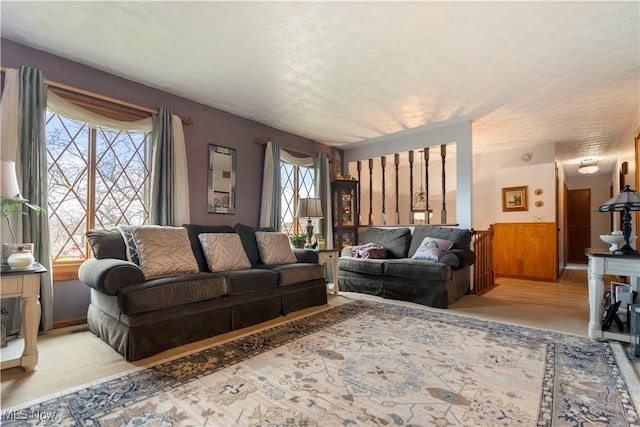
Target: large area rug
[[364, 363]]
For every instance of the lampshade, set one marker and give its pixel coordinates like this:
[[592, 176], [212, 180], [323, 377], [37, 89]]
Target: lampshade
[[9, 188], [627, 199], [587, 167], [309, 208]]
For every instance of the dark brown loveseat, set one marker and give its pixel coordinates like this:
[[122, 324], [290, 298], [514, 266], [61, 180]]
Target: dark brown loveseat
[[140, 317]]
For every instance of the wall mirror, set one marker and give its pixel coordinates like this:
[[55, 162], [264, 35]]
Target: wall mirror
[[222, 180]]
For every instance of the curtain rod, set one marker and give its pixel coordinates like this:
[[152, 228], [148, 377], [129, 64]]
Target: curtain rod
[[185, 121], [291, 150]]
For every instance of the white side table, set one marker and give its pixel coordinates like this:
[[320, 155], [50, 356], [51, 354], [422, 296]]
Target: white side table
[[603, 262], [331, 256], [23, 284]]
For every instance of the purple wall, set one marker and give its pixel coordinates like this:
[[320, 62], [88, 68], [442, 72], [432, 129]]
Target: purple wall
[[212, 126]]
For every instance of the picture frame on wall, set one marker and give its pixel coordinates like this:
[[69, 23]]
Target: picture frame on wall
[[514, 199]]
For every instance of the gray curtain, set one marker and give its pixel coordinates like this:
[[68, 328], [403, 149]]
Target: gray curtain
[[270, 203], [33, 160], [323, 191], [161, 210]]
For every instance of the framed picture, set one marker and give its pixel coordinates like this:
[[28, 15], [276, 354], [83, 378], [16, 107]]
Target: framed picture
[[514, 199]]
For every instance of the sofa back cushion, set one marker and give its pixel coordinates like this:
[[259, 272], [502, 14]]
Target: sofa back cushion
[[164, 251], [194, 230], [275, 248], [394, 240], [460, 237], [247, 235], [224, 251], [107, 244]]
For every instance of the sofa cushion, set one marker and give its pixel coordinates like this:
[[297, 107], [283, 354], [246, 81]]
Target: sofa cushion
[[275, 248], [417, 269], [164, 251], [245, 281], [460, 237], [224, 251], [431, 248], [248, 237], [194, 230], [369, 250], [362, 265], [130, 244], [107, 244], [170, 292], [395, 240], [289, 274]]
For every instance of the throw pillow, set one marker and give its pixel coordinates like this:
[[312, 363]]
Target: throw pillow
[[431, 248], [369, 250], [164, 251], [274, 248], [130, 244], [107, 244], [224, 251]]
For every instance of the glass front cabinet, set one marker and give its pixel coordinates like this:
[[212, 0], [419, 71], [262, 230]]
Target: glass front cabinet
[[345, 213]]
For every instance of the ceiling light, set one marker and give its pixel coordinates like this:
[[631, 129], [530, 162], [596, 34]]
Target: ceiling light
[[587, 167]]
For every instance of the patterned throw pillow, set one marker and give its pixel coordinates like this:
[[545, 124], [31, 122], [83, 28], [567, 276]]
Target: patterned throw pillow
[[130, 244], [224, 251], [164, 251], [369, 250], [275, 248], [431, 248]]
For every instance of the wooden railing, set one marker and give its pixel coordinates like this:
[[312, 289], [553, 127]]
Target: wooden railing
[[483, 277]]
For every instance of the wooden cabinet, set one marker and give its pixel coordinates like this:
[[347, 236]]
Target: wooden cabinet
[[345, 213]]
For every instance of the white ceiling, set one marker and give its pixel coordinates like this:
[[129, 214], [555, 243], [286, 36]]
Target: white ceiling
[[341, 73]]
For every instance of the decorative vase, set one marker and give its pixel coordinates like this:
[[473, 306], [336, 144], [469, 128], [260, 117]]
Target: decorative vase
[[20, 259], [9, 248]]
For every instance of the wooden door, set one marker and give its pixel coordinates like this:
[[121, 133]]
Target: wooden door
[[578, 225]]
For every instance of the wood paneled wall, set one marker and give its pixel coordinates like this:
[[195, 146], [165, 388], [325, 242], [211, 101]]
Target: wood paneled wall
[[526, 250]]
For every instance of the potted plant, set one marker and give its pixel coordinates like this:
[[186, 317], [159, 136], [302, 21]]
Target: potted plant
[[298, 240], [10, 206]]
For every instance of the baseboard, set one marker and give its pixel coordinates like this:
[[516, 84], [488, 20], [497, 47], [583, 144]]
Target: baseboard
[[70, 322]]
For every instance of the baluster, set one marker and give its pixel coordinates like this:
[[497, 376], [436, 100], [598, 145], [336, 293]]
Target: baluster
[[411, 187], [443, 213], [383, 163], [426, 186], [359, 193], [370, 191], [396, 218]]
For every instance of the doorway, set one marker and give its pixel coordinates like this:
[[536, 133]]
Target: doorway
[[578, 225]]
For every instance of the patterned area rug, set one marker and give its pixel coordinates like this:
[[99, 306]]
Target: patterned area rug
[[364, 363]]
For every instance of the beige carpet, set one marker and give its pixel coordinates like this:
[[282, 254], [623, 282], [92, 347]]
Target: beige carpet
[[368, 363], [70, 359]]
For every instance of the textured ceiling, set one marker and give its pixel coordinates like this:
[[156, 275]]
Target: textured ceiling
[[525, 73]]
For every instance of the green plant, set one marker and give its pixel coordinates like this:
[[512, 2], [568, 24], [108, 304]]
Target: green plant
[[14, 205], [298, 240]]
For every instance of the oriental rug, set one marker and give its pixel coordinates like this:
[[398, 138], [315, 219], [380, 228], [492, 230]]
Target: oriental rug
[[364, 363]]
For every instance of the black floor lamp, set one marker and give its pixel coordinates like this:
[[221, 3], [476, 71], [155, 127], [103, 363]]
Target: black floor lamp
[[625, 201]]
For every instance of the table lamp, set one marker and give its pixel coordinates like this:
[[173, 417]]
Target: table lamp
[[309, 208], [625, 201]]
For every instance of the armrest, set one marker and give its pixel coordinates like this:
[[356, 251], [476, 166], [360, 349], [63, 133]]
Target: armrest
[[458, 258], [305, 255], [109, 275], [347, 251]]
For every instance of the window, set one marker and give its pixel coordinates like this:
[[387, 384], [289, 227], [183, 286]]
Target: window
[[98, 178], [296, 182]]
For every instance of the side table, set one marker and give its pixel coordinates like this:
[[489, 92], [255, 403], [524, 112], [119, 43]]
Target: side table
[[331, 256], [23, 284]]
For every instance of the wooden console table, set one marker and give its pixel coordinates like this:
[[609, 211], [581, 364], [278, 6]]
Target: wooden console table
[[23, 284], [603, 262]]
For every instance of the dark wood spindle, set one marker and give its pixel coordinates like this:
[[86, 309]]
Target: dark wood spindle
[[396, 158], [370, 191], [443, 212]]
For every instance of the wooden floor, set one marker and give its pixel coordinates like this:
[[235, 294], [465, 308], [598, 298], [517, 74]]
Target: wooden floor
[[562, 295]]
